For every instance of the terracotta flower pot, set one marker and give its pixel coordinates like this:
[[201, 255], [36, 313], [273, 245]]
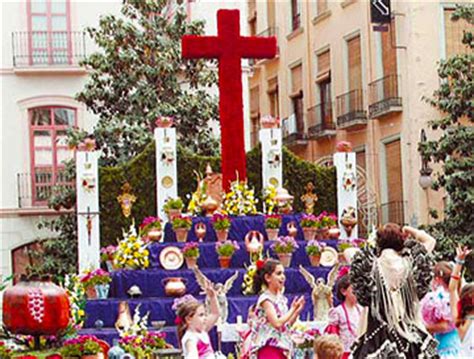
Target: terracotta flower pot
[[314, 260], [173, 213], [341, 258], [285, 259], [181, 234], [221, 234], [225, 261], [309, 233], [91, 293], [272, 233], [323, 233], [191, 262]]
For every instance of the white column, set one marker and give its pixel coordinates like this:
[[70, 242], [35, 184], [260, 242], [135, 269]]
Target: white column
[[345, 163], [166, 169], [272, 161], [88, 220]]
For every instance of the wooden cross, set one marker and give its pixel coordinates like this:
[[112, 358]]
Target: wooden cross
[[230, 48]]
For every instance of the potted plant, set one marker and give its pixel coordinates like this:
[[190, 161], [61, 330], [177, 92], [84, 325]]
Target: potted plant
[[314, 250], [225, 251], [181, 225], [151, 229], [173, 207], [144, 345], [96, 281], [221, 224], [191, 254], [284, 246], [272, 225], [325, 221], [309, 223], [107, 256], [83, 346]]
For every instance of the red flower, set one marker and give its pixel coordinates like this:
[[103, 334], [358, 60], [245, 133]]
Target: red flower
[[178, 321], [260, 263]]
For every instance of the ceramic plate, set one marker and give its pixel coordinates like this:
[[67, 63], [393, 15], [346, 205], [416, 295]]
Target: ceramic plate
[[328, 257], [171, 258], [167, 181]]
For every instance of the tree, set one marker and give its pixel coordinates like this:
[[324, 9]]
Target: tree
[[139, 75], [454, 150]]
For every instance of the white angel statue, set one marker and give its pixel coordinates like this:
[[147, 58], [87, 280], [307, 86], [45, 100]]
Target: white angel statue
[[321, 293], [221, 291]]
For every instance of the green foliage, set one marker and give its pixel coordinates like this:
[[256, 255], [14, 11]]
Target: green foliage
[[138, 75], [173, 203], [454, 149]]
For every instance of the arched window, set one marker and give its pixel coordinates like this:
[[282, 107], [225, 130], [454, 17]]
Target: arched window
[[48, 148]]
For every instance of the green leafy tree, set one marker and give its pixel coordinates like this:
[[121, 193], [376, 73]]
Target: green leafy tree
[[454, 149], [139, 74]]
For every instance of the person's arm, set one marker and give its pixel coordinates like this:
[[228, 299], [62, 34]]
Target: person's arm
[[191, 349], [440, 327], [296, 314], [461, 254], [214, 314], [421, 236], [273, 318]]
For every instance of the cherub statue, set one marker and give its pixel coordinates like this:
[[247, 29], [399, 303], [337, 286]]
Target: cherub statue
[[221, 290], [321, 293]]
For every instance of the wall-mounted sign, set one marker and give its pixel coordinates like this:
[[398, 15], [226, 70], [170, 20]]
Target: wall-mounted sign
[[380, 12]]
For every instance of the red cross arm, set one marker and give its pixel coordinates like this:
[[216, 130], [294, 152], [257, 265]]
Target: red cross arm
[[258, 47], [193, 46]]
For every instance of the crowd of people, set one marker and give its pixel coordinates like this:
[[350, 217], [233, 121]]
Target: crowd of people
[[395, 303]]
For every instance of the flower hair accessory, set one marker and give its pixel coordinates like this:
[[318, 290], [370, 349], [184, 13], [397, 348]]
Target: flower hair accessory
[[260, 263], [178, 320], [180, 301], [342, 272]]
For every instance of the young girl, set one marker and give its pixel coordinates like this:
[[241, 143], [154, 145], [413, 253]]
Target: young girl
[[436, 312], [194, 325], [345, 317], [462, 306], [270, 335]]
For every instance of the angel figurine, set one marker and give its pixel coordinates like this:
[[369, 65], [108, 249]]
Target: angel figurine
[[321, 293], [221, 290]]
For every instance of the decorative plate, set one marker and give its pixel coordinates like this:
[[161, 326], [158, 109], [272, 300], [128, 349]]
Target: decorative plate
[[171, 258], [328, 257], [273, 181], [167, 181]]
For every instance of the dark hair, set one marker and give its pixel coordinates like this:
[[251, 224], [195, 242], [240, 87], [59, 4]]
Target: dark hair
[[443, 270], [185, 310], [390, 236], [466, 300], [267, 268], [342, 284]]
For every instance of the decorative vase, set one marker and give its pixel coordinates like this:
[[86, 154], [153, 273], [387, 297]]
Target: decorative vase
[[314, 260], [209, 206], [102, 291], [348, 225], [154, 234], [221, 234], [292, 230], [225, 261], [110, 265], [309, 233], [272, 233], [91, 293], [181, 234], [124, 319], [191, 262], [285, 259], [200, 231], [174, 286], [173, 213]]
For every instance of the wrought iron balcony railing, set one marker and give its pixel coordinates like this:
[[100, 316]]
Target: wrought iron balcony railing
[[36, 190], [393, 211], [48, 48], [384, 96], [320, 122], [350, 109], [293, 131]]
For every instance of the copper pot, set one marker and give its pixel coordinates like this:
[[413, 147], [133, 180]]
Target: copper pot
[[174, 286]]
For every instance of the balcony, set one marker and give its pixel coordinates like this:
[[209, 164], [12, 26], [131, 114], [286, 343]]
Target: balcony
[[48, 50], [320, 123], [36, 190], [384, 97], [350, 110], [393, 211], [293, 132]]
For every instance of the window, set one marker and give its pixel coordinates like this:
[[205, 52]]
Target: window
[[271, 13], [48, 148], [393, 209], [324, 83], [50, 32], [389, 52], [297, 96], [273, 97], [254, 131], [453, 31], [354, 63], [295, 14]]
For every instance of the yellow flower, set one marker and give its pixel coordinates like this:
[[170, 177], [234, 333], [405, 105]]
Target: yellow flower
[[81, 313]]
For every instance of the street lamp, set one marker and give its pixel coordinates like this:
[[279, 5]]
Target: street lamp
[[425, 180]]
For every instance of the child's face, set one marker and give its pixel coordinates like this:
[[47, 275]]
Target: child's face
[[276, 280], [198, 321], [349, 294]]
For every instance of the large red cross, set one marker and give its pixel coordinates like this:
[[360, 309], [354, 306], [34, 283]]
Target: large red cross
[[229, 48]]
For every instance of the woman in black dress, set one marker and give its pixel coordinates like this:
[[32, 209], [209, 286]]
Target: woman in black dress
[[389, 280]]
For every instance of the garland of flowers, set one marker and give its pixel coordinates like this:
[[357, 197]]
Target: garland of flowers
[[77, 300], [131, 251], [247, 283], [240, 200]]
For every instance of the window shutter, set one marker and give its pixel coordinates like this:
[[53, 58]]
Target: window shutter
[[296, 79], [454, 33], [354, 63], [254, 101], [324, 66], [394, 171]]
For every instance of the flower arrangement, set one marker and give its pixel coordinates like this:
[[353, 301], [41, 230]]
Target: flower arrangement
[[286, 245], [5, 352], [142, 346], [240, 200], [164, 121], [77, 300], [303, 336], [344, 146], [173, 204], [349, 243], [95, 277], [190, 250], [107, 253], [227, 248], [247, 283], [220, 222], [309, 221], [326, 220], [81, 345], [314, 248], [131, 251], [272, 221], [182, 222], [149, 223], [269, 199]]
